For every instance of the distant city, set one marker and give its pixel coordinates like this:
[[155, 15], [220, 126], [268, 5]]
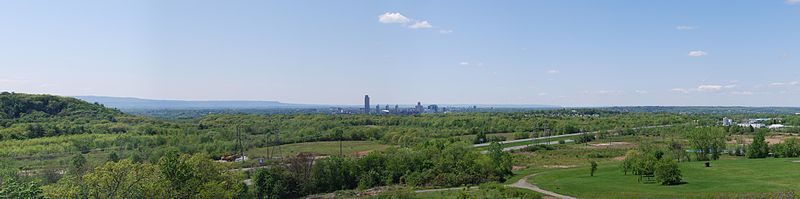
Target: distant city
[[397, 110]]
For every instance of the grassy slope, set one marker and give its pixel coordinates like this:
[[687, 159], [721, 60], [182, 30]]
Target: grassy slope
[[724, 177]]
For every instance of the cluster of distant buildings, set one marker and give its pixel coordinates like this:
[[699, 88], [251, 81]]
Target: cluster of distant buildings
[[418, 109], [755, 123]]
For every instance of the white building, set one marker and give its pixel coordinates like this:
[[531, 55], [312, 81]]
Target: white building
[[776, 126], [754, 125], [727, 121]]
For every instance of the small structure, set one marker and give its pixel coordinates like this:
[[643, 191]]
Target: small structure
[[776, 126]]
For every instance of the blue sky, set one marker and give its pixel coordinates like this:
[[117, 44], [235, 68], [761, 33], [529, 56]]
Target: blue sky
[[571, 53]]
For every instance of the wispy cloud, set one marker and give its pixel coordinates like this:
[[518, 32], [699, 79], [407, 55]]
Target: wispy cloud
[[705, 88], [709, 88], [553, 72], [680, 90], [697, 53], [641, 91], [397, 18], [604, 92], [792, 2], [684, 27], [543, 94], [741, 93], [792, 83], [420, 25]]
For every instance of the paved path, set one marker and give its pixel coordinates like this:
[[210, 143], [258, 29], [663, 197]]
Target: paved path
[[523, 184], [555, 136]]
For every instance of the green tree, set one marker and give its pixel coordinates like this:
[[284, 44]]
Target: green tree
[[630, 161], [759, 147], [667, 172], [124, 179], [273, 183], [707, 141], [593, 168], [113, 157], [11, 188], [501, 160]]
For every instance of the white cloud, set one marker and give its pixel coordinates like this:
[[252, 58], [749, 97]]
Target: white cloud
[[641, 91], [792, 2], [680, 90], [420, 25], [445, 31], [709, 88], [697, 53], [463, 63], [604, 92], [741, 93], [553, 72], [543, 94], [730, 86], [684, 27], [792, 83], [393, 17]]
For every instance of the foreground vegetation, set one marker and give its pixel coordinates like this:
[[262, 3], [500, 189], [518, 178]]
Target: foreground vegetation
[[730, 177], [61, 147]]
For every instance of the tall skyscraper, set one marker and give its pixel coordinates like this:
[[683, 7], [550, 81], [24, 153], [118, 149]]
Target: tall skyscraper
[[366, 104]]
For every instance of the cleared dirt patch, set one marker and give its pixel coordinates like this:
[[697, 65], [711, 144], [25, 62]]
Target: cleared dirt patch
[[559, 166]]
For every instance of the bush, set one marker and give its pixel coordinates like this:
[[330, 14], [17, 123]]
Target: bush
[[521, 135], [667, 172]]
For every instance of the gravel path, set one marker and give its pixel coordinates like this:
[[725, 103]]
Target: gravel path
[[523, 184]]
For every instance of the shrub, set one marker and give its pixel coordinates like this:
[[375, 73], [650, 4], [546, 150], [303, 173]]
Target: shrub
[[667, 172]]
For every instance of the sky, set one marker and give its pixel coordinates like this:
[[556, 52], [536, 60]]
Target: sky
[[568, 53]]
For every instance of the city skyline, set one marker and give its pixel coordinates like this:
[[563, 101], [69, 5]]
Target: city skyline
[[565, 53]]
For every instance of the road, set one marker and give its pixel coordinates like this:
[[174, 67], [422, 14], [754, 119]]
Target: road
[[564, 135], [523, 184]]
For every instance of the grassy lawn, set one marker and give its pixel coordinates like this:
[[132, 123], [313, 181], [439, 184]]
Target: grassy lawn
[[725, 177], [349, 148]]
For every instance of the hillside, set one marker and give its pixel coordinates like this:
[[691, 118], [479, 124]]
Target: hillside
[[129, 103], [31, 106], [25, 116]]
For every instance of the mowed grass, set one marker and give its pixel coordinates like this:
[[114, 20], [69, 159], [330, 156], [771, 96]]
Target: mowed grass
[[349, 148], [737, 177]]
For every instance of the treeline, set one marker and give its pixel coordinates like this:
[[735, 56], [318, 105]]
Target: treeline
[[173, 176], [437, 163], [406, 130]]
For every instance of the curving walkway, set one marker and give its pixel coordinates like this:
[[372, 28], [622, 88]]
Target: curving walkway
[[523, 184]]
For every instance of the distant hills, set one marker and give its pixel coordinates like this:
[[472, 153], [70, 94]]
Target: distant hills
[[137, 103]]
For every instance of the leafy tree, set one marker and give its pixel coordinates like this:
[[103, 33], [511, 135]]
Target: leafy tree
[[480, 136], [501, 160], [11, 188], [630, 161], [593, 168], [707, 141], [759, 147], [113, 157], [124, 179], [667, 172], [273, 183]]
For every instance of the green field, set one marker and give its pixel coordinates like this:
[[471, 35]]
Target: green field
[[349, 148], [738, 177]]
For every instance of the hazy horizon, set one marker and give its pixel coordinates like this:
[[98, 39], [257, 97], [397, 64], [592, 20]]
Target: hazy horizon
[[564, 53]]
